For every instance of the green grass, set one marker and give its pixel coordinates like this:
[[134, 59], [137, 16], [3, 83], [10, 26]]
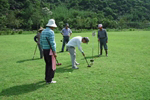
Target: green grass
[[123, 75]]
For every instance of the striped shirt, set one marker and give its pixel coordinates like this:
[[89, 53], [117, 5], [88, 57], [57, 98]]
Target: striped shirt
[[49, 33]]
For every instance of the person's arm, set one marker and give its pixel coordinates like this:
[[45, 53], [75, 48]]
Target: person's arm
[[62, 32], [70, 32], [79, 47], [51, 39], [35, 38], [98, 36], [41, 41], [106, 36]]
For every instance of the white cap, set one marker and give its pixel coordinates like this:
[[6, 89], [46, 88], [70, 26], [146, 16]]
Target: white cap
[[100, 25], [51, 23]]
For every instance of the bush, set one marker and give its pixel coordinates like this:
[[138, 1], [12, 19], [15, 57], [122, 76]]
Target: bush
[[20, 32]]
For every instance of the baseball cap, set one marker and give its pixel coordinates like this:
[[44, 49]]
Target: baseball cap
[[67, 24], [86, 39]]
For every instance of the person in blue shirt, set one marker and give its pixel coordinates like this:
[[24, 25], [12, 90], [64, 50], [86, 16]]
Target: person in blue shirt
[[66, 33], [50, 35]]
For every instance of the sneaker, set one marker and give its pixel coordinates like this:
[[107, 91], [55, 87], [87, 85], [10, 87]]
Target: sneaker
[[75, 67], [77, 63], [53, 81]]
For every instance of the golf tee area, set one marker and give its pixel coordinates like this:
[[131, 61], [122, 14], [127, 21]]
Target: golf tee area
[[123, 75]]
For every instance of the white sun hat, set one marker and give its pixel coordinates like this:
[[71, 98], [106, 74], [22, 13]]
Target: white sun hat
[[51, 23], [100, 25]]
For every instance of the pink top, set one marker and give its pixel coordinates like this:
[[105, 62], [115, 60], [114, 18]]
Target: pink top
[[53, 60]]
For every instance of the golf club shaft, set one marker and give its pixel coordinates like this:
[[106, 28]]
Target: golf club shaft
[[86, 60], [34, 51], [51, 48], [98, 47]]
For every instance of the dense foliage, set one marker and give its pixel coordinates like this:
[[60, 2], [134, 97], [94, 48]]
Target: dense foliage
[[80, 14]]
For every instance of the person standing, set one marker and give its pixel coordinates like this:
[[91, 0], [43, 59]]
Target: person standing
[[103, 39], [37, 40], [66, 33], [50, 35], [76, 42]]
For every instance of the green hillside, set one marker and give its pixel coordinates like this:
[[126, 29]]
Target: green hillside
[[80, 14]]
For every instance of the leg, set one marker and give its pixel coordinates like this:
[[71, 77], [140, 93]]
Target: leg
[[49, 73], [105, 47], [73, 57], [63, 45], [101, 47], [41, 51], [67, 40]]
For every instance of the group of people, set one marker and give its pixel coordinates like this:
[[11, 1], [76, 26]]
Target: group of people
[[47, 46]]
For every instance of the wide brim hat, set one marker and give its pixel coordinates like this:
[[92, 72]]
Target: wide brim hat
[[40, 29], [51, 23]]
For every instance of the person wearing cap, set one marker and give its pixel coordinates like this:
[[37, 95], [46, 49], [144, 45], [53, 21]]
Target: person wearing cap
[[76, 42], [37, 40], [103, 39], [66, 33], [49, 34]]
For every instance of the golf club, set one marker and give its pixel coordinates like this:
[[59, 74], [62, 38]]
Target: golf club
[[86, 61], [92, 60], [34, 52], [53, 52], [98, 47]]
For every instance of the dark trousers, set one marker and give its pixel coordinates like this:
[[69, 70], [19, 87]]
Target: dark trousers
[[65, 40], [49, 73], [41, 51], [103, 43]]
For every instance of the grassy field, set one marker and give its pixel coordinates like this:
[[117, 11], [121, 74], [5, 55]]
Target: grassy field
[[123, 75]]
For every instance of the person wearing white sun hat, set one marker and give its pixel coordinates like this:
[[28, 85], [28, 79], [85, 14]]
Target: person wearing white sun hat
[[50, 35], [103, 39]]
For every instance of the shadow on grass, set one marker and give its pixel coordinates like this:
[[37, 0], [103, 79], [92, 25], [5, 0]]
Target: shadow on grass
[[64, 69], [90, 57], [21, 89], [21, 61]]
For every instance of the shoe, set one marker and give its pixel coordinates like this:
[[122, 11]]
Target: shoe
[[99, 55], [75, 67], [61, 51], [53, 81], [77, 63]]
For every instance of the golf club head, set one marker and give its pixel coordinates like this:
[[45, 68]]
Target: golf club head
[[92, 60], [89, 66], [58, 64]]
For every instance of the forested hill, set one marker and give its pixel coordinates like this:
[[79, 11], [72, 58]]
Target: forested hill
[[80, 14]]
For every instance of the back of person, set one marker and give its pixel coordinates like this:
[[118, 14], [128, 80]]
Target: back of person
[[75, 41]]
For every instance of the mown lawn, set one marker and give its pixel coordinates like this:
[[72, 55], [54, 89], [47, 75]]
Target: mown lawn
[[123, 75]]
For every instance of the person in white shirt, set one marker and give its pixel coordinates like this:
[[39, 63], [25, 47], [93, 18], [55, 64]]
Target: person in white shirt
[[76, 42]]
